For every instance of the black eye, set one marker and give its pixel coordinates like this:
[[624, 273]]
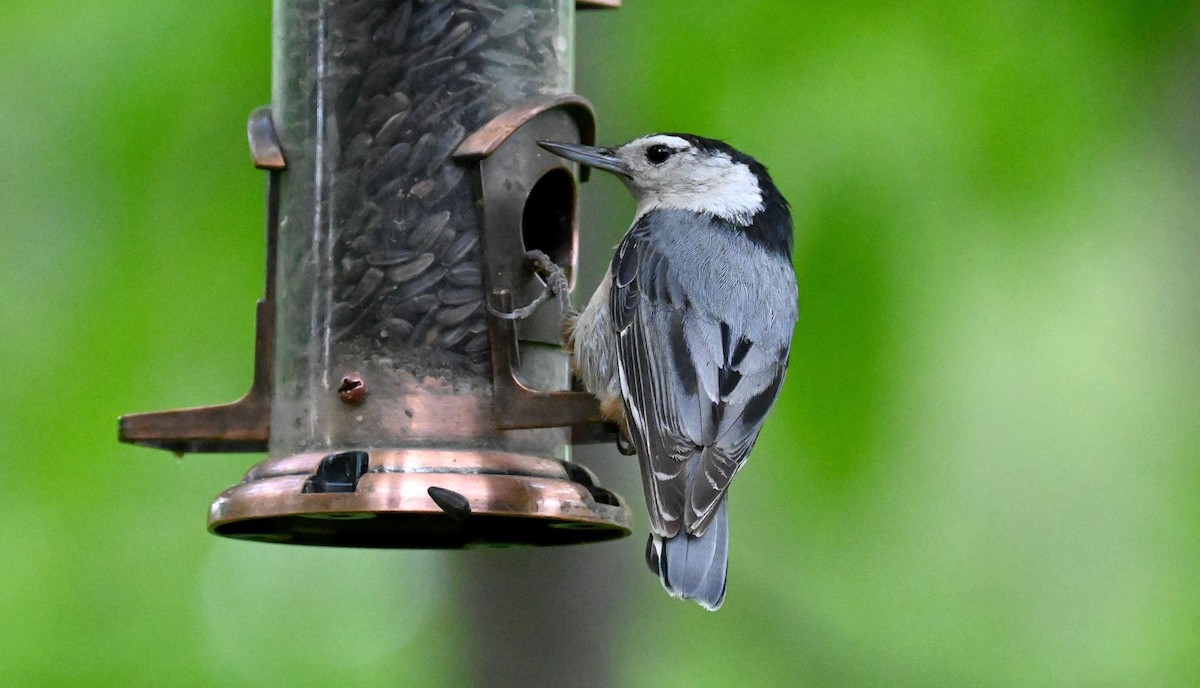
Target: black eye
[[658, 154]]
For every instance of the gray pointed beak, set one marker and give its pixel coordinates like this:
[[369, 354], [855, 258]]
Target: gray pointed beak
[[599, 158]]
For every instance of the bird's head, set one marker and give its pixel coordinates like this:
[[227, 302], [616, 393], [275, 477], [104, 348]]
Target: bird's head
[[685, 172]]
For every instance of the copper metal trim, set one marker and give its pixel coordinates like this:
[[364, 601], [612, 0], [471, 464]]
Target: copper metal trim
[[506, 499], [244, 425], [485, 140], [264, 144], [505, 175]]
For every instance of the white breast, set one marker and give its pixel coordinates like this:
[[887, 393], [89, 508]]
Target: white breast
[[595, 347]]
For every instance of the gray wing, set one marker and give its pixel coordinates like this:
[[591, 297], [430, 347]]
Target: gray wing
[[696, 387]]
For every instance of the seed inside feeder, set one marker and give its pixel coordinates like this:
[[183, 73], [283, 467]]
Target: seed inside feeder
[[376, 214]]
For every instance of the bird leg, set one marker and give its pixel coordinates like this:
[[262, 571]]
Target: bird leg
[[555, 277], [556, 285]]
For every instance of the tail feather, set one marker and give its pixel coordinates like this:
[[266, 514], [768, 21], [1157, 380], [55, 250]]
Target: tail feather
[[694, 567]]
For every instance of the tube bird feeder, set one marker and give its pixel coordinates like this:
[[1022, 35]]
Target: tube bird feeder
[[404, 191]]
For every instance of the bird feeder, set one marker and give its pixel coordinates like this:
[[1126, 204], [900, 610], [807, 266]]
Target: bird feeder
[[405, 188]]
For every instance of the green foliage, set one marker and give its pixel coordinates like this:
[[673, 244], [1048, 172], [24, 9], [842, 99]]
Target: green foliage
[[983, 468]]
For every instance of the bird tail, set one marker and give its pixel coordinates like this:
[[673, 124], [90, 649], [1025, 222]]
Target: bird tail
[[694, 567]]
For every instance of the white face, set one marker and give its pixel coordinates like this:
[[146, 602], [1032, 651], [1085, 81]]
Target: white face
[[669, 172]]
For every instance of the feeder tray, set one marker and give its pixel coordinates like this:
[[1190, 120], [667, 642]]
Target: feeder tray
[[419, 499]]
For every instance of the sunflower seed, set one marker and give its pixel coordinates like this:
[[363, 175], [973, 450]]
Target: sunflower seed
[[366, 287], [402, 83], [406, 272], [458, 296], [454, 316], [395, 327], [392, 259], [429, 233]]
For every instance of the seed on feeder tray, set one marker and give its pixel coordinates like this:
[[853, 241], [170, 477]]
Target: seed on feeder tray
[[454, 505]]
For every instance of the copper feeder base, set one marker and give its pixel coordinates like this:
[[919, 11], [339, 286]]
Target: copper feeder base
[[383, 498]]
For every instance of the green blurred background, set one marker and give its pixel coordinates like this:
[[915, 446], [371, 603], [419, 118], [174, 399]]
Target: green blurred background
[[983, 470]]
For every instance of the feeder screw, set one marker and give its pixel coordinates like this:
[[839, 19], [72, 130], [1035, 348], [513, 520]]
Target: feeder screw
[[352, 390]]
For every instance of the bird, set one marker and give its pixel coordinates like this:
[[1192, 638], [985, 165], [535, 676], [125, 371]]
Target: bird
[[685, 343]]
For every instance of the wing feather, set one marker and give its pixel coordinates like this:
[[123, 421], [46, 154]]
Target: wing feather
[[696, 384]]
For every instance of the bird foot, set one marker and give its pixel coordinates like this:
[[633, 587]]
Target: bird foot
[[556, 285]]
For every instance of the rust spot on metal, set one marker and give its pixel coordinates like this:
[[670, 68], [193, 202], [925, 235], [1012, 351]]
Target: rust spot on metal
[[352, 390]]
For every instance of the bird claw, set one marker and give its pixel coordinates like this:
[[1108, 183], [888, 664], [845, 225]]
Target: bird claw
[[624, 444], [522, 312], [556, 284]]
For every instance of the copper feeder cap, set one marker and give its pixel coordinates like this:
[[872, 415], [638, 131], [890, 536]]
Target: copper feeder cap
[[419, 498]]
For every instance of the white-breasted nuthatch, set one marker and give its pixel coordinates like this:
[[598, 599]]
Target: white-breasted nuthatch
[[686, 340]]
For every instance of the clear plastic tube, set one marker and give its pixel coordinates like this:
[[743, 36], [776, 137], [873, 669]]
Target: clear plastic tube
[[378, 261]]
